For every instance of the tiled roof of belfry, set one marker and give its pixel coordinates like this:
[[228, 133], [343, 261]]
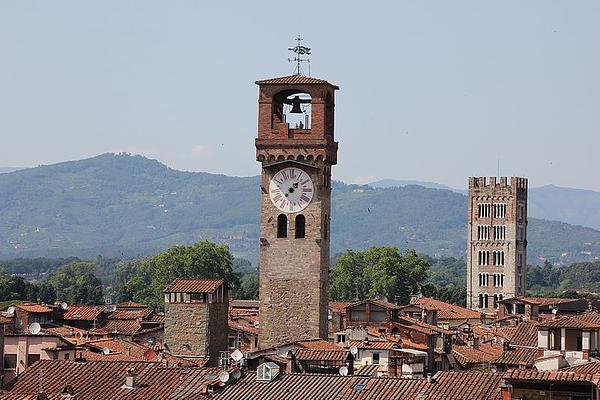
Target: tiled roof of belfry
[[182, 285], [294, 80]]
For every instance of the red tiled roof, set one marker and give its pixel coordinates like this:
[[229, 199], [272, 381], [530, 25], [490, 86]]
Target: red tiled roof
[[182, 285], [121, 326], [294, 80], [131, 304], [251, 304], [82, 313], [339, 306], [556, 376], [587, 368], [367, 370], [99, 380], [486, 353], [541, 301], [525, 334], [5, 321], [317, 344], [409, 344], [589, 316], [242, 328], [516, 356], [373, 344], [463, 385], [570, 322], [446, 310], [320, 355], [132, 313], [322, 387], [34, 308]]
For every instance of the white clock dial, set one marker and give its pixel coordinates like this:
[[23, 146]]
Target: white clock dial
[[291, 190]]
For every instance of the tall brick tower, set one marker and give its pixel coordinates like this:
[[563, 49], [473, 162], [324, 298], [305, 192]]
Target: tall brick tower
[[497, 241], [296, 148]]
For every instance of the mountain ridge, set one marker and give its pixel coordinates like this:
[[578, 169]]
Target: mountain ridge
[[115, 204]]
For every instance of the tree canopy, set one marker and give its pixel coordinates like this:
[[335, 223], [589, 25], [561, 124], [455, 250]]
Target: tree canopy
[[378, 271], [77, 283], [200, 260]]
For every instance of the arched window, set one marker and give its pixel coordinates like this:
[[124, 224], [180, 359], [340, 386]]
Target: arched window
[[485, 300], [300, 226], [495, 300], [282, 226], [480, 300]]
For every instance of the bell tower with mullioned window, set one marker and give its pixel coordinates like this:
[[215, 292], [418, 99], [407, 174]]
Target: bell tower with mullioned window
[[497, 241]]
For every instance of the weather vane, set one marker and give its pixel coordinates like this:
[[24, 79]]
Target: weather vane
[[300, 50]]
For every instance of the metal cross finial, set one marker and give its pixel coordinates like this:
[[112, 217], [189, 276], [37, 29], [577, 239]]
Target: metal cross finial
[[300, 51]]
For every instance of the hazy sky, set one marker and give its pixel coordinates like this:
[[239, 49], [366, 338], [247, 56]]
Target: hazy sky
[[429, 90]]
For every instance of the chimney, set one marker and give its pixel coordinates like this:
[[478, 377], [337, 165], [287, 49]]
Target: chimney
[[430, 378], [130, 379]]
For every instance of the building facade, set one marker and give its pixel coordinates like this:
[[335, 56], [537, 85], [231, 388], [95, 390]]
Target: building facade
[[296, 148], [497, 241], [196, 319]]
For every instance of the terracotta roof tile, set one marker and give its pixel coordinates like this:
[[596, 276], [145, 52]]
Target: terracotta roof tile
[[556, 376], [320, 355], [447, 311], [132, 313], [486, 353], [525, 334], [516, 356], [322, 387], [542, 301], [182, 285], [373, 344], [34, 308], [587, 368], [81, 313], [317, 344], [245, 304], [99, 380], [119, 326], [131, 304], [570, 322], [463, 385], [589, 316], [294, 80]]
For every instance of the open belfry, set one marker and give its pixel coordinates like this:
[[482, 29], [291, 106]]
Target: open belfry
[[497, 241], [296, 148]]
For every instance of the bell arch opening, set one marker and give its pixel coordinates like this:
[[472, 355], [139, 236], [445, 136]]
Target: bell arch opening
[[293, 107]]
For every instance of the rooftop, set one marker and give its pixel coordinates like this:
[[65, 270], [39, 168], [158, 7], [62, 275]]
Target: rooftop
[[294, 80], [447, 311], [182, 285]]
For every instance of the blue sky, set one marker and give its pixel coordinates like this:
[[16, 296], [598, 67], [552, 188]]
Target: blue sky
[[430, 90]]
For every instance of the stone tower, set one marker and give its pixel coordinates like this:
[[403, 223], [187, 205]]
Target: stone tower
[[296, 148], [497, 241], [196, 314]]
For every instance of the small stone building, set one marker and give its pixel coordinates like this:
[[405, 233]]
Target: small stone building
[[196, 319]]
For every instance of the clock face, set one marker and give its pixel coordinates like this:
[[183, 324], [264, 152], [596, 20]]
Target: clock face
[[291, 190]]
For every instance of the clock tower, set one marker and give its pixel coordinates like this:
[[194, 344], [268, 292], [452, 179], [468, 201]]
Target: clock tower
[[296, 149]]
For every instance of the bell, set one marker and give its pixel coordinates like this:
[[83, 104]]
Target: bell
[[296, 106]]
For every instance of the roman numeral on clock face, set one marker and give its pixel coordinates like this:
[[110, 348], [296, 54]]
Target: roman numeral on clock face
[[291, 189]]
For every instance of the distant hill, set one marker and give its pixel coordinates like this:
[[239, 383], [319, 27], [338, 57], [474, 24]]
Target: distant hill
[[573, 206], [390, 183], [113, 204], [5, 170]]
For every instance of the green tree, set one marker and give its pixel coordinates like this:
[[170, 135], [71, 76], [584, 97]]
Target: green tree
[[76, 283], [384, 271], [248, 289], [200, 260]]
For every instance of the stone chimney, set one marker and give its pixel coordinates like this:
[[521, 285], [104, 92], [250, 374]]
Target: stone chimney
[[130, 379]]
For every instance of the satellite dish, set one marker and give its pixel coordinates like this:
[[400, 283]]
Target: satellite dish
[[224, 376], [63, 305], [343, 371], [353, 350], [34, 328], [236, 374], [237, 355], [105, 351], [111, 308], [11, 311]]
